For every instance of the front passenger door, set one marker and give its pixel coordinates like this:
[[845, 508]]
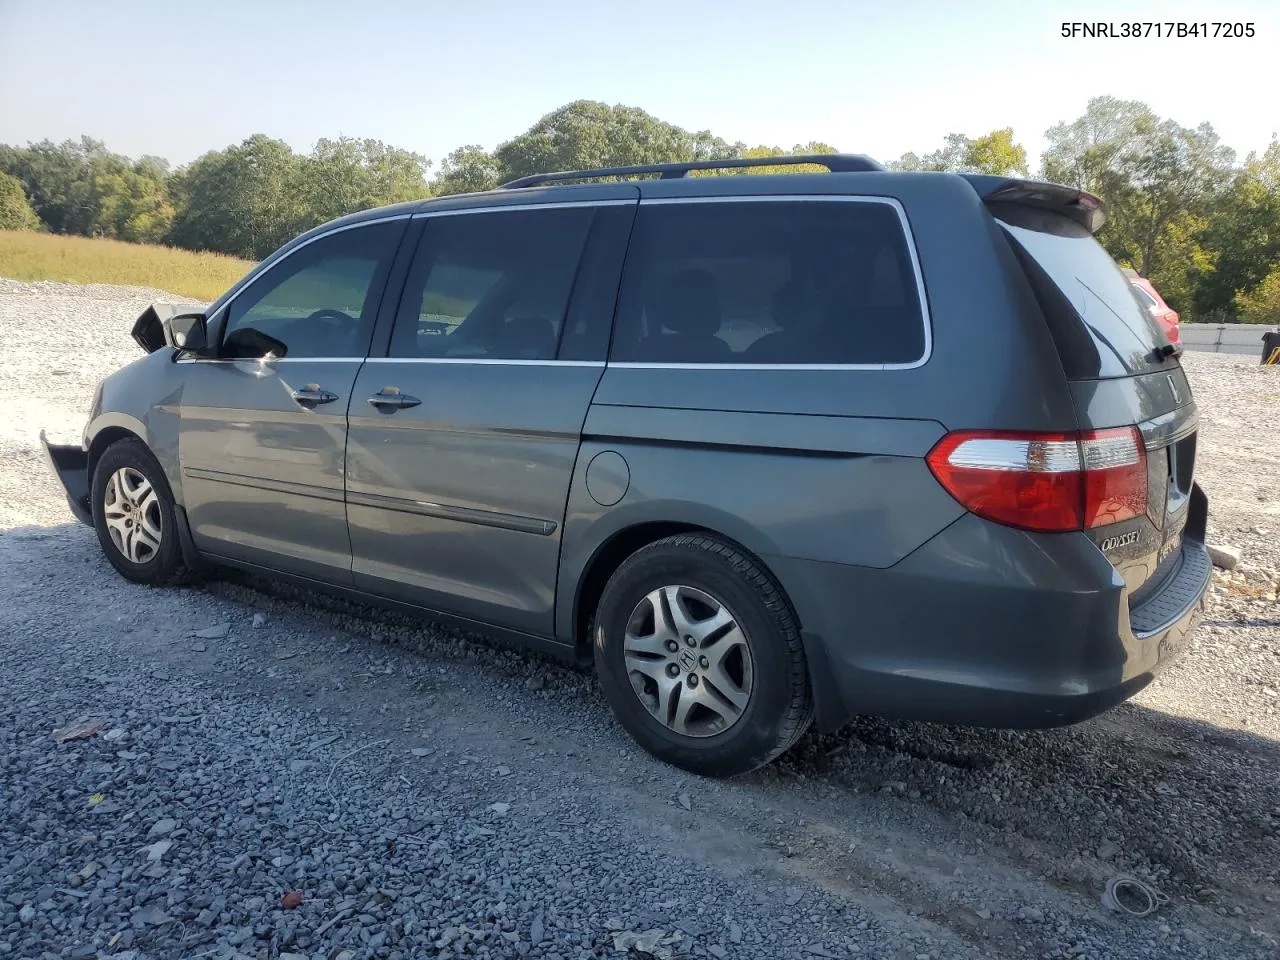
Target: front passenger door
[[263, 440]]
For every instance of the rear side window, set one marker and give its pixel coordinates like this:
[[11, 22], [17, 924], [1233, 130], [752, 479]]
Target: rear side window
[[1083, 291], [770, 282], [491, 285]]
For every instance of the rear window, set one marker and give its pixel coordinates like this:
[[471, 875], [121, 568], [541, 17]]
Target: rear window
[[770, 282], [1081, 287]]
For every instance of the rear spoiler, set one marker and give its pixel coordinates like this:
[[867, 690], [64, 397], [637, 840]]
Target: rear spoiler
[[1084, 208]]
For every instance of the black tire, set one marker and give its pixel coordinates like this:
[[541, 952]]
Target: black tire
[[162, 566], [780, 706]]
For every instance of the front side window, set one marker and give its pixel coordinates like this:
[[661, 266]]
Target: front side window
[[770, 282], [491, 285], [318, 302]]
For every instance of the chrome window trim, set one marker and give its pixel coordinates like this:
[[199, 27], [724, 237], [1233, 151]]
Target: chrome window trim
[[926, 316], [270, 363], [638, 365], [558, 205], [268, 265], [487, 361]]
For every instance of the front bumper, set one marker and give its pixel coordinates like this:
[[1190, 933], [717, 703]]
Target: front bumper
[[70, 464], [989, 626]]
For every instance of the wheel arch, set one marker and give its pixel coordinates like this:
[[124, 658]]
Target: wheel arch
[[625, 538], [106, 437], [624, 541], [110, 430]]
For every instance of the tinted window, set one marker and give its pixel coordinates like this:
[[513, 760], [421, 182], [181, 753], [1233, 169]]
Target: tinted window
[[491, 285], [769, 282], [1092, 289], [320, 301]]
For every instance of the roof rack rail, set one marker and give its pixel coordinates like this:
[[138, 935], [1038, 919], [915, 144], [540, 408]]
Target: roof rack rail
[[835, 162]]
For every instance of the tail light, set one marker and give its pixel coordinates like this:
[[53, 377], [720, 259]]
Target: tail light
[[1045, 481]]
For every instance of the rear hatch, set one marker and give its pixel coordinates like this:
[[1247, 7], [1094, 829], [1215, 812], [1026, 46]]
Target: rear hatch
[[1123, 371]]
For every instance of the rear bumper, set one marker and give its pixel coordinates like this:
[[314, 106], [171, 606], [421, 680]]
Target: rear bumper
[[989, 626], [70, 464]]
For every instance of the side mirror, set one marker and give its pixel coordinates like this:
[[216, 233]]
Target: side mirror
[[250, 344], [187, 331]]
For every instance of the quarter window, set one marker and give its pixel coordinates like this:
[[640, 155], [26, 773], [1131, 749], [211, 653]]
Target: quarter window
[[770, 282], [491, 285], [320, 301]]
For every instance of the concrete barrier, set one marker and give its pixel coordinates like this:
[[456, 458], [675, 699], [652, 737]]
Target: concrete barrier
[[1241, 338]]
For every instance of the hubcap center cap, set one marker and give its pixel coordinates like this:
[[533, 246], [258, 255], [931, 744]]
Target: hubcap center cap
[[687, 660]]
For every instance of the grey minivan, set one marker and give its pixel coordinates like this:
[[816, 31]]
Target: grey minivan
[[769, 449]]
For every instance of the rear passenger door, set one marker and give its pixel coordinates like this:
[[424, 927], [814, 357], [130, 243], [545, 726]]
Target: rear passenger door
[[462, 439]]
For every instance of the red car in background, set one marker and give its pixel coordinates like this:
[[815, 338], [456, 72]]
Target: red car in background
[[1150, 298]]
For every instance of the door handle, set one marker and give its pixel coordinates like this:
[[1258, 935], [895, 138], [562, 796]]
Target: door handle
[[311, 394], [391, 399]]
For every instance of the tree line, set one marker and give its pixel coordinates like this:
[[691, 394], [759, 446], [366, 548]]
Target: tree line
[[1184, 211]]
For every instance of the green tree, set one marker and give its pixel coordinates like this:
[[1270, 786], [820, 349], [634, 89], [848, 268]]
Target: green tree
[[587, 134], [813, 146], [245, 200], [1242, 238], [1262, 303], [58, 177], [997, 153], [800, 149], [994, 153], [468, 169], [1161, 183], [1177, 176], [344, 175], [952, 157], [132, 199], [908, 163], [80, 187], [1096, 148], [15, 211]]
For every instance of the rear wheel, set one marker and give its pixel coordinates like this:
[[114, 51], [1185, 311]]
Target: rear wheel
[[133, 515], [699, 655]]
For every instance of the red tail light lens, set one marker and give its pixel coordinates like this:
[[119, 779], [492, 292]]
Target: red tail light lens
[[1045, 481], [1115, 476]]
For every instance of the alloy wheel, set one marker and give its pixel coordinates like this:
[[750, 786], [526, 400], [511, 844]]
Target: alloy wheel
[[131, 510], [688, 660]]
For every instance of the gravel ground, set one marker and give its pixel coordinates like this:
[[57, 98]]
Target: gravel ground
[[430, 794]]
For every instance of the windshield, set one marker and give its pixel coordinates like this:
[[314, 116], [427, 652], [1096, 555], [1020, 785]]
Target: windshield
[[1125, 334]]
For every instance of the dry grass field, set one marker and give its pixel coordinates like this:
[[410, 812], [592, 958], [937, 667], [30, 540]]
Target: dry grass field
[[43, 256]]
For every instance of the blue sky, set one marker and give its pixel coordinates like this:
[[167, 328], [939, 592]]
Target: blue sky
[[178, 77]]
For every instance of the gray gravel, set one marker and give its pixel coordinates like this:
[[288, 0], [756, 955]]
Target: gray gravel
[[434, 795]]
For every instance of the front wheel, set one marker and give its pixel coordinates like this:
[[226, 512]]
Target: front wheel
[[133, 515], [699, 654]]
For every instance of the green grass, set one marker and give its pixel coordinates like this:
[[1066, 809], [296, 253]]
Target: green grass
[[42, 256]]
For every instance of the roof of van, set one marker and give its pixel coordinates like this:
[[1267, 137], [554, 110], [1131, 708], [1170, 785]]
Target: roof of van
[[849, 174]]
